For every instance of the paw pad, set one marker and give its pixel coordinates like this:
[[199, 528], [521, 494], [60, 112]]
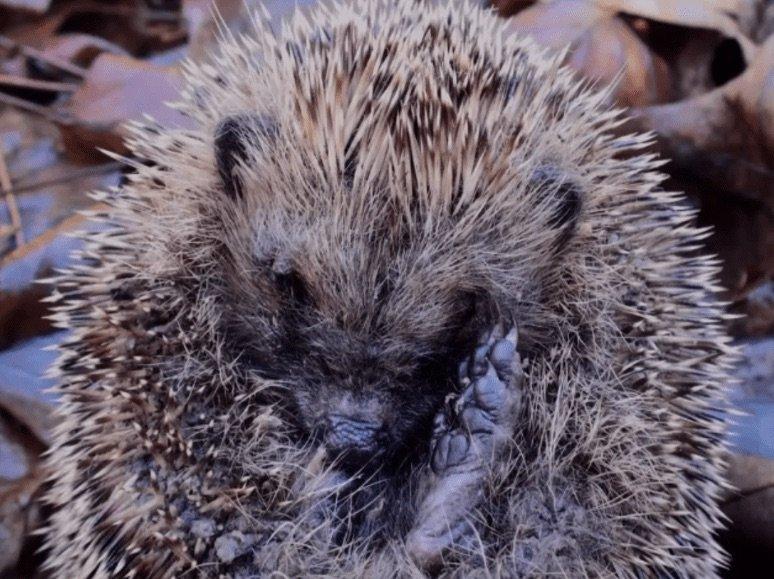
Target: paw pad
[[485, 410]]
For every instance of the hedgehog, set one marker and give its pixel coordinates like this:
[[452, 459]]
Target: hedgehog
[[402, 300]]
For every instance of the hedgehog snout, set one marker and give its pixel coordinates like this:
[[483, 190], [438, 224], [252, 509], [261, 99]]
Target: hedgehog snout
[[354, 439]]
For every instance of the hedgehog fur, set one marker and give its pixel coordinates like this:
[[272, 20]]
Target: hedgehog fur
[[363, 193]]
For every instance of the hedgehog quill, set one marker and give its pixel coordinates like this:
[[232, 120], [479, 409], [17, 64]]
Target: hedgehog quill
[[400, 304]]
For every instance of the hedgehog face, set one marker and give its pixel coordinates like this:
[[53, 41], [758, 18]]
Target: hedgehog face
[[363, 308], [365, 390], [364, 377]]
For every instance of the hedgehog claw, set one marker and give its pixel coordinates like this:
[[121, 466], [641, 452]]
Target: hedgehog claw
[[467, 437]]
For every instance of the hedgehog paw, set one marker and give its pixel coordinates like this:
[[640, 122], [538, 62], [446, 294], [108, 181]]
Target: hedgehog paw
[[468, 436], [472, 428]]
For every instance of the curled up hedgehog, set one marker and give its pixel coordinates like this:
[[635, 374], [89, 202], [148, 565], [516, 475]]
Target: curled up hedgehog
[[399, 305]]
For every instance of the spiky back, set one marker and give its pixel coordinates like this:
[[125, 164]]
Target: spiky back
[[407, 140]]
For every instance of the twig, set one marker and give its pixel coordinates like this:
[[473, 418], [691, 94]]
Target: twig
[[66, 226], [159, 15], [23, 82], [93, 171], [46, 112], [29, 52], [10, 200]]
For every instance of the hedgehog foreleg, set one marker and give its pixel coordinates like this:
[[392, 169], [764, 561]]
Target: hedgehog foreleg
[[469, 435]]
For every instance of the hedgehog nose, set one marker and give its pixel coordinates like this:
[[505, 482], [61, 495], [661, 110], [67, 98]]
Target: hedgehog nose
[[351, 438]]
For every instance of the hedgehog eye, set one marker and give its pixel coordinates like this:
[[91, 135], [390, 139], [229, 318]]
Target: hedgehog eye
[[471, 303], [290, 282], [232, 137]]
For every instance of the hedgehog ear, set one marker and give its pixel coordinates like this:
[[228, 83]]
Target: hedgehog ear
[[232, 136], [550, 180]]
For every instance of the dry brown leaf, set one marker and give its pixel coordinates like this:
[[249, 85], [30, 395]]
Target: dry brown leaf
[[510, 7], [22, 54], [602, 48], [720, 146], [23, 315], [713, 15], [204, 22], [78, 49], [743, 232], [756, 94], [67, 226], [736, 119], [14, 499], [25, 427], [720, 141], [32, 420], [203, 28], [117, 89], [751, 507], [558, 24], [49, 191], [127, 23], [39, 6], [757, 309], [703, 60], [47, 188], [765, 27], [611, 51]]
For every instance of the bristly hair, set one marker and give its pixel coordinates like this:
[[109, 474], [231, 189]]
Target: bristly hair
[[378, 159]]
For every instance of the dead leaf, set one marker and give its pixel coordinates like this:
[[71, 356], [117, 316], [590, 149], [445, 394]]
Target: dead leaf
[[719, 151], [25, 429], [705, 61], [765, 25], [757, 309], [558, 24], [23, 315], [78, 49], [726, 135], [49, 192], [510, 7], [205, 18], [756, 96], [47, 188], [130, 25], [13, 523], [602, 48], [742, 228], [750, 503], [69, 225], [203, 25], [117, 89], [754, 377], [20, 52], [751, 506], [611, 51], [38, 6], [713, 15], [30, 415]]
